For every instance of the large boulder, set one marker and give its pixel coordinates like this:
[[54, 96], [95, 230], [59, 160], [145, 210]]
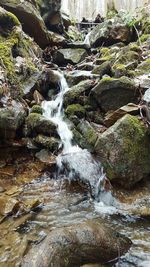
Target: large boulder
[[112, 93], [29, 15], [110, 32], [126, 155], [77, 245], [69, 55]]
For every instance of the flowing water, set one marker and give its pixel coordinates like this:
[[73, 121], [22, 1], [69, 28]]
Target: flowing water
[[67, 201]]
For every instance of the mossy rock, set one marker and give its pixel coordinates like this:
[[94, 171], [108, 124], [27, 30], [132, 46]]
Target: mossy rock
[[50, 143], [144, 37], [126, 155], [104, 68], [75, 109], [143, 68], [7, 21], [37, 109], [37, 124]]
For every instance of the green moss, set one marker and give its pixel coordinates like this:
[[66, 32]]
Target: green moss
[[143, 68], [32, 119], [105, 51], [105, 79], [144, 37], [37, 109], [75, 109], [13, 19], [134, 47], [119, 66]]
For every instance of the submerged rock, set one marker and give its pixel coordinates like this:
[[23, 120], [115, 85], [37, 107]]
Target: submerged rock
[[77, 245], [112, 93], [124, 151]]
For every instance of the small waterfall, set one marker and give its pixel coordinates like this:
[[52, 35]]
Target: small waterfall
[[77, 162]]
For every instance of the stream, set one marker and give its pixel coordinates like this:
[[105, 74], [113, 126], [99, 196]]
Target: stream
[[74, 194]]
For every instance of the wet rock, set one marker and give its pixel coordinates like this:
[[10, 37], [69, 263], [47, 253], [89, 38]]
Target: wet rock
[[77, 76], [112, 93], [8, 205], [69, 55], [110, 32], [37, 124], [89, 135], [77, 93], [11, 119], [50, 143], [126, 154], [77, 245], [46, 157]]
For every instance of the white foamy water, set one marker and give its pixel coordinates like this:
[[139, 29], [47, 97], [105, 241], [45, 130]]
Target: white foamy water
[[78, 163]]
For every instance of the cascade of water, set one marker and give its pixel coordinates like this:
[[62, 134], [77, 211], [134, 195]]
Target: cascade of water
[[78, 162]]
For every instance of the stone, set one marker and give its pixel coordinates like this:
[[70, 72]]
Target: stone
[[112, 93], [127, 149], [76, 76], [37, 124], [77, 93], [75, 109], [104, 68], [77, 245], [50, 143], [89, 135], [11, 119], [69, 55], [112, 117], [110, 32]]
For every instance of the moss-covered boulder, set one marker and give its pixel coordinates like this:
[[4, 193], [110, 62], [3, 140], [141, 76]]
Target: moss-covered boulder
[[112, 93], [37, 109], [78, 93], [37, 124], [126, 155], [75, 109], [51, 143], [69, 55]]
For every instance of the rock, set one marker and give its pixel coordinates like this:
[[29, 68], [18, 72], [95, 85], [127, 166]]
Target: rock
[[75, 109], [8, 205], [111, 118], [30, 18], [37, 109], [88, 66], [104, 68], [74, 77], [112, 93], [37, 124], [126, 154], [46, 157], [19, 58], [77, 245], [69, 55], [110, 32], [50, 143], [11, 119], [89, 135], [77, 93]]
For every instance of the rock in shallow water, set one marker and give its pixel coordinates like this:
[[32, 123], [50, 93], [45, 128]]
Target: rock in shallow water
[[77, 245]]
